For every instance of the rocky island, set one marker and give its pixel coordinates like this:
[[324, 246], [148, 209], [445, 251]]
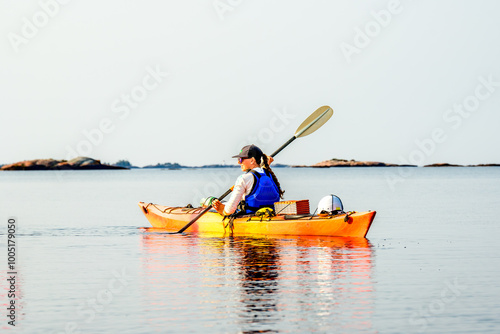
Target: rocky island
[[79, 163], [352, 163]]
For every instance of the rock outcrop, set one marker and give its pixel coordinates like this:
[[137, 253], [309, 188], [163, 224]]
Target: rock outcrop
[[352, 163], [51, 164], [443, 165]]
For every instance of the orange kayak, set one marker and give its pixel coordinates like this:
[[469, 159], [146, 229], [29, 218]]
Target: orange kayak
[[354, 224]]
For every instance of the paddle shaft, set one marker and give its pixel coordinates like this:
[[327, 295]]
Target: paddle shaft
[[283, 146], [202, 213], [299, 133]]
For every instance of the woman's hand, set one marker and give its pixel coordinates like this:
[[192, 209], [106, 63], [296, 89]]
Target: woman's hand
[[217, 205], [270, 159]]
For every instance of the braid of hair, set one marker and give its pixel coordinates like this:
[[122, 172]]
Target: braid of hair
[[275, 179]]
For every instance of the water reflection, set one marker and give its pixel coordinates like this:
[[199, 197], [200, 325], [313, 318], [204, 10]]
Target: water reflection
[[263, 285], [258, 265]]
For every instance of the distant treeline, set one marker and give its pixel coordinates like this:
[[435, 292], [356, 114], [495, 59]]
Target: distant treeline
[[175, 165]]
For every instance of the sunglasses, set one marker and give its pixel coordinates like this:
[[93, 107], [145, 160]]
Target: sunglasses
[[240, 160]]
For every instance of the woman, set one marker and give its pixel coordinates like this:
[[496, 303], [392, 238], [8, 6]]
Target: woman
[[258, 187]]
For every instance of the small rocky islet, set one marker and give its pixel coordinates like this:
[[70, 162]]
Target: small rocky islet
[[79, 163], [352, 163]]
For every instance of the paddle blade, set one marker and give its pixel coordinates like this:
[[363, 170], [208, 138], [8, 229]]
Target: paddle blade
[[314, 121]]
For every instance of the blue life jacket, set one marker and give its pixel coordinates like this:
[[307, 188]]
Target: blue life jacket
[[264, 192]]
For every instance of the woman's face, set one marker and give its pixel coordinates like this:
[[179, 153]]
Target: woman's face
[[247, 163]]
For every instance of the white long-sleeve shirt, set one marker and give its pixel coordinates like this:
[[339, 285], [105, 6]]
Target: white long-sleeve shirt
[[242, 188]]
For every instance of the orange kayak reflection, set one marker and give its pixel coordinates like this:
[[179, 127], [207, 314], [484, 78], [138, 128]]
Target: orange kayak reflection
[[262, 282]]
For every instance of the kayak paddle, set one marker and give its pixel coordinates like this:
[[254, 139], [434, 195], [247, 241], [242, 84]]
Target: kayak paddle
[[311, 124]]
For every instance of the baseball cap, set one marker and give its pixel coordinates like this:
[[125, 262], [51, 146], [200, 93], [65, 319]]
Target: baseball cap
[[249, 151]]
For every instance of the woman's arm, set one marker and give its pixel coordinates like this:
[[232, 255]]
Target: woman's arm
[[242, 186]]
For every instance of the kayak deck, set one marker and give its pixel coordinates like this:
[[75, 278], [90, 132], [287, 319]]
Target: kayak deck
[[173, 219]]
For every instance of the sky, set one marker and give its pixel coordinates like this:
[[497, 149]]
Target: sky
[[193, 81]]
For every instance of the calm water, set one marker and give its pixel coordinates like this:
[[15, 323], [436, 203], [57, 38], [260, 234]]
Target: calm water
[[87, 263]]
